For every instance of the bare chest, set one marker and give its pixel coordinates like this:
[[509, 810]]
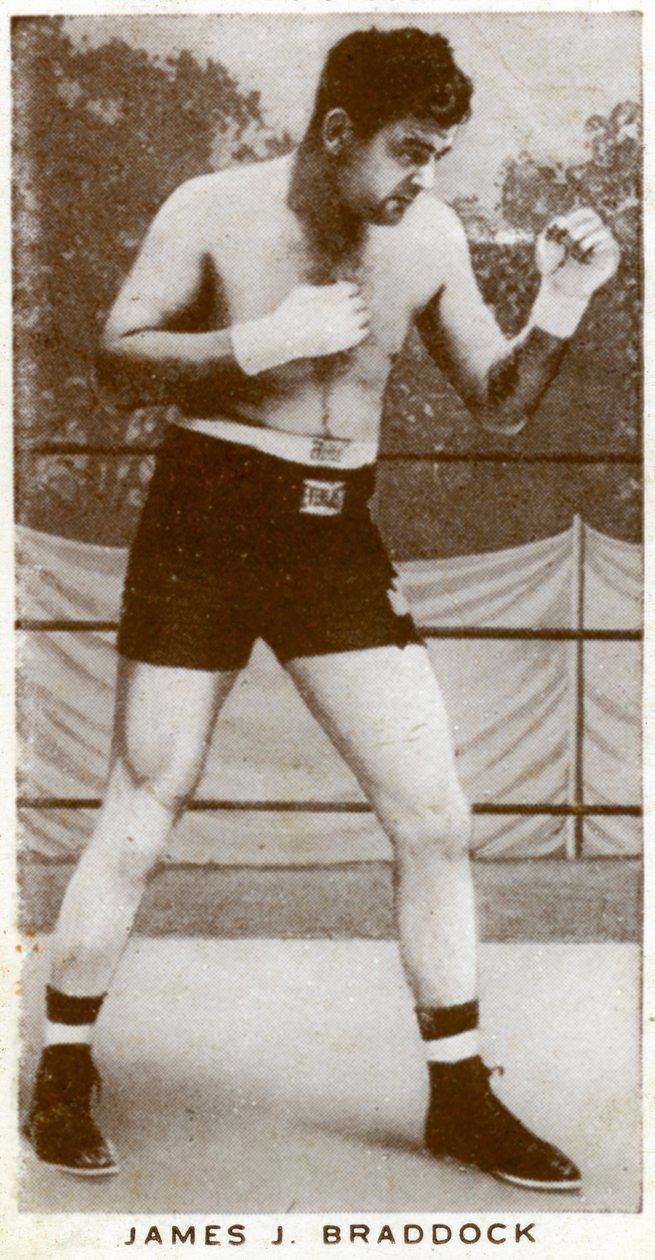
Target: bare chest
[[258, 268]]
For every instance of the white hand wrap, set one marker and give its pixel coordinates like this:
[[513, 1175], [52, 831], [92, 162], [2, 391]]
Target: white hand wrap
[[257, 347], [557, 313], [313, 320]]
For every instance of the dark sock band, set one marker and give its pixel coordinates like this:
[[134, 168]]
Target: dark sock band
[[446, 1021], [62, 1009]]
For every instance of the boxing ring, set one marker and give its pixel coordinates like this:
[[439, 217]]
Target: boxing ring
[[537, 648]]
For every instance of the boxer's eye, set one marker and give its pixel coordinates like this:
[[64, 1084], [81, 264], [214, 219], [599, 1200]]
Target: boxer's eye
[[417, 154], [414, 154]]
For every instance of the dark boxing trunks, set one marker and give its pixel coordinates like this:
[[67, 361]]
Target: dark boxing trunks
[[235, 545]]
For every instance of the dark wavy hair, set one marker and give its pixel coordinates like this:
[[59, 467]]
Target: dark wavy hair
[[381, 76]]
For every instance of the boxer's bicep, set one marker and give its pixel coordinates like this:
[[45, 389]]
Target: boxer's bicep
[[457, 327], [166, 275]]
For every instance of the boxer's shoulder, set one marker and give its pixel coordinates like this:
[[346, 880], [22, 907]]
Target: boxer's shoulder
[[228, 195], [432, 221], [431, 235]]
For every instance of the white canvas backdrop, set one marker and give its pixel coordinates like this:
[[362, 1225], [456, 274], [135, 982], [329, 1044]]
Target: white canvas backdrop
[[510, 702]]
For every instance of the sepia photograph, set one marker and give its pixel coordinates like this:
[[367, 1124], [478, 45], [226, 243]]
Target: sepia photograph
[[328, 484]]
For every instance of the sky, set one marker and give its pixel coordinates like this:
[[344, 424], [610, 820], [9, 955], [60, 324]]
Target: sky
[[537, 76]]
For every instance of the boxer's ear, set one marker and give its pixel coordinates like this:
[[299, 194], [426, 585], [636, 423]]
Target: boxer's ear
[[337, 131]]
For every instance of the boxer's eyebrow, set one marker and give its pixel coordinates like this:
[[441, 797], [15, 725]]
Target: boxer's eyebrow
[[420, 140]]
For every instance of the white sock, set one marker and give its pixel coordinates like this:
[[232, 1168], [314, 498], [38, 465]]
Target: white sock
[[67, 1034], [450, 1033], [70, 1019], [463, 1045]]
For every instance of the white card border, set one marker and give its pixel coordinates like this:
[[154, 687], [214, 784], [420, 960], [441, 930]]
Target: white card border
[[580, 1236]]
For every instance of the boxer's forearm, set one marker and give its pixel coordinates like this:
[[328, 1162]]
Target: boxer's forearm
[[576, 255], [152, 367], [516, 383], [518, 379], [149, 365], [500, 380]]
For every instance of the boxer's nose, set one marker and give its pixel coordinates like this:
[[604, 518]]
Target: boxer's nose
[[423, 176]]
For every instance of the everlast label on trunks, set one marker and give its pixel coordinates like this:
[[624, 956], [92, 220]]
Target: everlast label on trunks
[[323, 498]]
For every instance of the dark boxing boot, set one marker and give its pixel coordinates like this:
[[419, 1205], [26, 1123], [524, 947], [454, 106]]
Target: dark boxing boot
[[468, 1122], [60, 1126]]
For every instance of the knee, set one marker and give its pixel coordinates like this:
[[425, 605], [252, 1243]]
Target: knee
[[162, 773], [138, 850], [432, 827]]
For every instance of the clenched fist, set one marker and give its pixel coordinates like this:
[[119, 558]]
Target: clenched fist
[[576, 254], [313, 321]]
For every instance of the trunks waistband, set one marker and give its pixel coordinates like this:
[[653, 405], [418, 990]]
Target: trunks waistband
[[250, 482], [297, 448]]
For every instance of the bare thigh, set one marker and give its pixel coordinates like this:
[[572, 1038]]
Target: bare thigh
[[163, 724], [384, 711]]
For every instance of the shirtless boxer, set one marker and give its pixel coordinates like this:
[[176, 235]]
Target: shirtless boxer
[[267, 303]]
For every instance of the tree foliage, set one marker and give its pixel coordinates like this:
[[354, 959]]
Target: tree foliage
[[104, 134], [609, 179]]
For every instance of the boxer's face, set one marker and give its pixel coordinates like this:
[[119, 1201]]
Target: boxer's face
[[379, 178]]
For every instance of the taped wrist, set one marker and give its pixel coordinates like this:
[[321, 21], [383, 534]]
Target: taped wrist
[[256, 347], [556, 313]]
